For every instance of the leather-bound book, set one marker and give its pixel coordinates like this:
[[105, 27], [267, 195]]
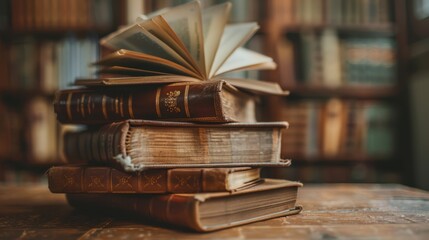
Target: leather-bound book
[[209, 101], [201, 211], [134, 145], [86, 179]]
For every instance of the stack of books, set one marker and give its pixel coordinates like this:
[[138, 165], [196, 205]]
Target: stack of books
[[172, 141]]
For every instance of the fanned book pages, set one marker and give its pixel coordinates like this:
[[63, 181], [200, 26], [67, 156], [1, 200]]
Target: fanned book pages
[[201, 212], [135, 145], [209, 101], [185, 43], [92, 179]]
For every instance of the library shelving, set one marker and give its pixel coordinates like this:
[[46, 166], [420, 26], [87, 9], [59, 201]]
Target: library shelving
[[344, 64], [45, 45]]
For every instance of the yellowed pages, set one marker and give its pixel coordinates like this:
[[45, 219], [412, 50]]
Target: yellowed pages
[[131, 59], [186, 21], [214, 21], [160, 28], [234, 36], [245, 59], [136, 38]]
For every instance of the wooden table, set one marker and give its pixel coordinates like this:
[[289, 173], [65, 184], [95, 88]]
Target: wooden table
[[330, 212]]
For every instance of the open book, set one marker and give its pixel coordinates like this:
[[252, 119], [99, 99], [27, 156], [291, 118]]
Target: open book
[[184, 43]]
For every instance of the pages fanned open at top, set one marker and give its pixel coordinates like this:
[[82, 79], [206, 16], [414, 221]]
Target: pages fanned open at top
[[182, 43]]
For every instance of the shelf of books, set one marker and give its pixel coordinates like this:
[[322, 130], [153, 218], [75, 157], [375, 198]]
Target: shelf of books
[[339, 59], [45, 45]]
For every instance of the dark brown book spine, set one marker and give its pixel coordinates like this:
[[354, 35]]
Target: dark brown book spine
[[109, 180], [172, 209], [96, 146], [187, 102]]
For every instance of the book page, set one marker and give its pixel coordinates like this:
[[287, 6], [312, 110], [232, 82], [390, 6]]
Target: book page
[[117, 70], [130, 59], [138, 39], [133, 80], [160, 29], [234, 36], [256, 86], [214, 21], [186, 22], [245, 59]]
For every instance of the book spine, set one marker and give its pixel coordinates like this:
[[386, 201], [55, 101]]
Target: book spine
[[96, 146], [109, 180], [198, 102], [178, 210]]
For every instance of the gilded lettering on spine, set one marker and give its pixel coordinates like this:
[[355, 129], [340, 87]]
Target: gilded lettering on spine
[[158, 95], [103, 107], [89, 104], [186, 99], [121, 106], [130, 106], [171, 101], [123, 181], [82, 105], [95, 182], [116, 105], [68, 104], [69, 181]]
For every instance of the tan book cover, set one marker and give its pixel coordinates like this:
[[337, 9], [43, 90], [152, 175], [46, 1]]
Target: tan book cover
[[138, 144], [201, 212], [92, 179]]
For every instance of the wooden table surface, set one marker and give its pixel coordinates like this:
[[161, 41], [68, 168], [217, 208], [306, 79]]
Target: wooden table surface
[[364, 211]]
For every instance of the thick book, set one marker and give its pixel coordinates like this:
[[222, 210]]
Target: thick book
[[210, 101], [201, 212], [138, 144], [183, 43], [91, 179]]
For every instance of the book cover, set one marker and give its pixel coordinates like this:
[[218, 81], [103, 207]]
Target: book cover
[[210, 101], [92, 179], [201, 212], [138, 144]]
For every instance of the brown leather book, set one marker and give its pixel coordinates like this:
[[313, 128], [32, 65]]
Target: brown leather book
[[86, 179], [134, 145], [210, 101], [201, 212]]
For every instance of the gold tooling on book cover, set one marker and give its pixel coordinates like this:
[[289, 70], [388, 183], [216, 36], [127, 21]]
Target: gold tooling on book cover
[[158, 94], [130, 105], [69, 96], [89, 104], [82, 106], [186, 101], [103, 107], [121, 105], [171, 101]]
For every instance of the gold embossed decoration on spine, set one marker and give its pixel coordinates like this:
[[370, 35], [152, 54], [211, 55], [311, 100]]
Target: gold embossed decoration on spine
[[157, 100]]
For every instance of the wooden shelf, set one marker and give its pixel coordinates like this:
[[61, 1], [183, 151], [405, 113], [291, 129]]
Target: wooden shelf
[[355, 92], [55, 32], [378, 29]]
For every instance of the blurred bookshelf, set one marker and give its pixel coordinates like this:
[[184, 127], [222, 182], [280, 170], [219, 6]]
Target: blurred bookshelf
[[45, 45], [344, 61], [418, 57], [345, 65]]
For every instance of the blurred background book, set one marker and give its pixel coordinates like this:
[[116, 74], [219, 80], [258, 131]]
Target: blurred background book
[[356, 69]]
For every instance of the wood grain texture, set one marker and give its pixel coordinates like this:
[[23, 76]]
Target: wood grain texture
[[339, 211]]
